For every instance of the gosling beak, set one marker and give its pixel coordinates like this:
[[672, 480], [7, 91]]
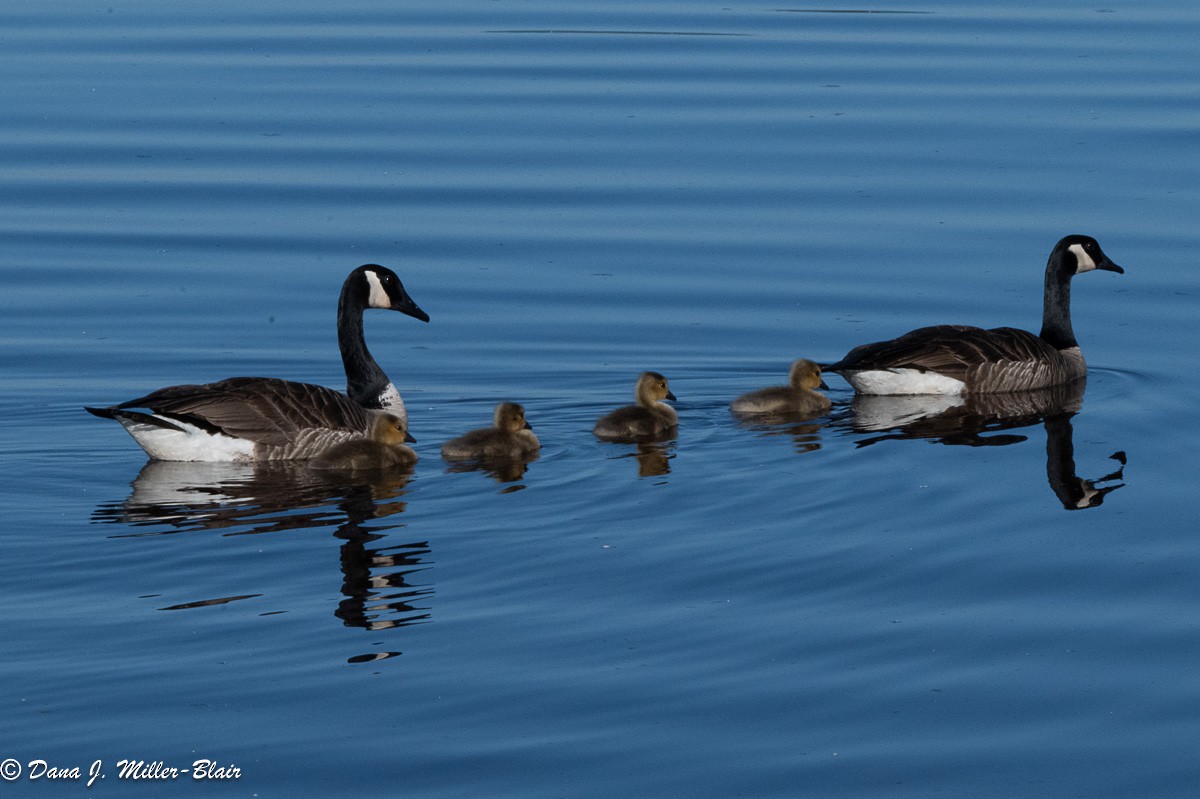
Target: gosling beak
[[528, 426], [670, 396], [822, 384], [408, 439]]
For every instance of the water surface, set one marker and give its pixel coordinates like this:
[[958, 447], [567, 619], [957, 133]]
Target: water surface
[[891, 600]]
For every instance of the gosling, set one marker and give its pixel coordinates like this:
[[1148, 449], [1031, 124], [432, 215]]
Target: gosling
[[798, 400], [385, 448], [510, 439], [648, 420]]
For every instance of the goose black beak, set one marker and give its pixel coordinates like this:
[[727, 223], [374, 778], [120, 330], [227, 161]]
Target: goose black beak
[[405, 305], [1109, 266]]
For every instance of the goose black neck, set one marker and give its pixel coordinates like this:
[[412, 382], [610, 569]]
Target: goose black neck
[[1056, 308], [365, 381]]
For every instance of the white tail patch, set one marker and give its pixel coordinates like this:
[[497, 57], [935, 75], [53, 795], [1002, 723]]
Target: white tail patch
[[899, 382], [1084, 261], [189, 444]]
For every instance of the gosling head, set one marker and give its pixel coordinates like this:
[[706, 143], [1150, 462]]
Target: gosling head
[[806, 375], [510, 417], [652, 387], [390, 429]]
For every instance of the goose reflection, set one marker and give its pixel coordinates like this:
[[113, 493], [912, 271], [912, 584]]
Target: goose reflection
[[989, 420], [249, 499]]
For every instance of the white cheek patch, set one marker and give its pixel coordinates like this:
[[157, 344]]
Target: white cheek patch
[[378, 297], [1086, 264]]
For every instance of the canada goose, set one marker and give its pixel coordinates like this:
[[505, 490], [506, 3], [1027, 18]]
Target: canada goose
[[648, 419], [956, 359], [510, 439], [385, 447], [798, 399], [242, 419], [263, 418]]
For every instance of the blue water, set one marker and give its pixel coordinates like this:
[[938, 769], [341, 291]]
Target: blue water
[[576, 193]]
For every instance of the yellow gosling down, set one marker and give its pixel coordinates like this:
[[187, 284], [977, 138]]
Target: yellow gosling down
[[649, 419], [797, 400], [509, 439], [385, 448]]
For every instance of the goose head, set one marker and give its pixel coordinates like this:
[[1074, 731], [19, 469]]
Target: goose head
[[375, 286], [806, 375], [1074, 255], [391, 430], [509, 417], [652, 387]]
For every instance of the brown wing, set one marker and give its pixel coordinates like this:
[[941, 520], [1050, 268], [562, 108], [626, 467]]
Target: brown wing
[[259, 409], [952, 350]]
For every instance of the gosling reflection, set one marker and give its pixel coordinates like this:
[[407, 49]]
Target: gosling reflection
[[377, 588], [988, 420], [506, 472], [805, 437], [653, 460]]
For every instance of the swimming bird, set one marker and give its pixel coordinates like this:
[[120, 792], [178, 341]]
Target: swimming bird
[[263, 418], [509, 439], [385, 447], [242, 419], [649, 419], [956, 359], [797, 400]]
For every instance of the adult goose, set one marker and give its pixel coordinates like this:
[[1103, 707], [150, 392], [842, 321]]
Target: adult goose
[[956, 359], [263, 418], [243, 419], [649, 419]]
